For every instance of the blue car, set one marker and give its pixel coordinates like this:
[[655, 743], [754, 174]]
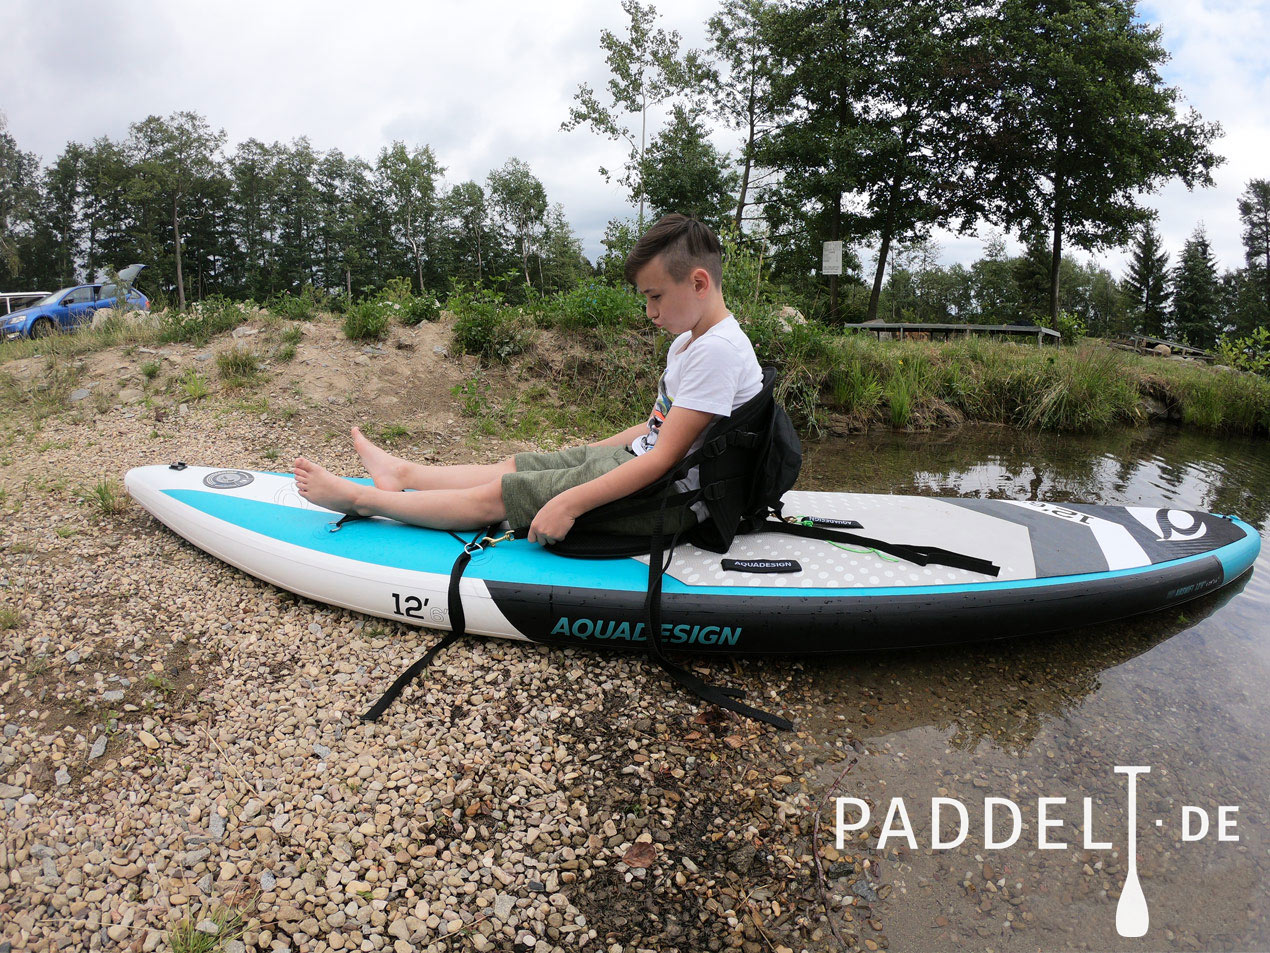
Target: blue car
[[73, 307]]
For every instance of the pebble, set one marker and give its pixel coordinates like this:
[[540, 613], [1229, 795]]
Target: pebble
[[477, 810]]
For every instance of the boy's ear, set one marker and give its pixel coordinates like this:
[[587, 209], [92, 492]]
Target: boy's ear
[[701, 280]]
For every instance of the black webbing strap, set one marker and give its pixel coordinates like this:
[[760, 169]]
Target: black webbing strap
[[715, 695], [921, 555], [458, 628]]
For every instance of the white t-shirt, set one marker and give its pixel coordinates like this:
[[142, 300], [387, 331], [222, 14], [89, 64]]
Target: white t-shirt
[[716, 373]]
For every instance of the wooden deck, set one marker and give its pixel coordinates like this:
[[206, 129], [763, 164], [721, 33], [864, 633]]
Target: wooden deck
[[1145, 344]]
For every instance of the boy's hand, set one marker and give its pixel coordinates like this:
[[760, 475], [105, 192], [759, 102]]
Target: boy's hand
[[553, 522]]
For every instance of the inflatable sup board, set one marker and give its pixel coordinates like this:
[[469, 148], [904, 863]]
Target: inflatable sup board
[[1061, 566]]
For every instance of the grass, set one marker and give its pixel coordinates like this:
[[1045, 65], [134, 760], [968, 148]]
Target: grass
[[393, 432], [238, 367], [185, 937], [9, 618], [191, 386], [150, 370], [108, 497]]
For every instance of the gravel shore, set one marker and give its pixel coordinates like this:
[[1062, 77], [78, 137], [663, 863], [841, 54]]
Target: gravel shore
[[182, 755]]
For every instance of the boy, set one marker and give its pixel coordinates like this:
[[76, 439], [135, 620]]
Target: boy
[[710, 371]]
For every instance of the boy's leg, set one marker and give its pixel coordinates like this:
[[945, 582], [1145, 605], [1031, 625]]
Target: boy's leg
[[394, 473], [458, 508]]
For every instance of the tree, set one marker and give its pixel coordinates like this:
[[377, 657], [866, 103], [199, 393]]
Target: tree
[[1082, 125], [521, 201], [1147, 283], [1197, 317], [561, 264], [683, 172], [992, 286], [18, 196], [468, 209], [813, 74], [739, 81], [171, 159], [1254, 211], [877, 106], [645, 71], [409, 179]]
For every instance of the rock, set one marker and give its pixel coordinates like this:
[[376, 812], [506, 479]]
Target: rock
[[63, 777], [503, 906], [8, 790], [130, 395], [251, 809], [207, 926], [80, 394], [72, 658], [864, 890], [268, 881], [216, 826], [241, 332], [114, 695], [235, 946], [322, 751], [149, 740]]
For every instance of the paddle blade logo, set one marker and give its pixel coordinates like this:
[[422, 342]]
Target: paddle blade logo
[[227, 479], [1169, 526]]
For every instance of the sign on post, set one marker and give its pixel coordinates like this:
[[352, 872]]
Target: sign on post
[[831, 261]]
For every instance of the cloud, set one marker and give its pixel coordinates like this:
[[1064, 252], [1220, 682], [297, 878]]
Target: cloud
[[482, 83]]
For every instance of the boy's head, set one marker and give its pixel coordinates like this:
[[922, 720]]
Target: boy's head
[[682, 244]]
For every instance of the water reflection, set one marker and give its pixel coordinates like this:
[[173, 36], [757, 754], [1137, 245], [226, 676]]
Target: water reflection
[[1186, 692]]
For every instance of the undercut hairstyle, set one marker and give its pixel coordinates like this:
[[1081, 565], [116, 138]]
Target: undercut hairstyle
[[683, 244]]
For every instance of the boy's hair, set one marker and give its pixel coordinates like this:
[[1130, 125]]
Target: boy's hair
[[684, 244]]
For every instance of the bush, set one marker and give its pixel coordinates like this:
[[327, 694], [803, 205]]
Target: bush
[[298, 307], [484, 327], [366, 321], [1249, 353], [1070, 326], [594, 304], [417, 310], [202, 321]]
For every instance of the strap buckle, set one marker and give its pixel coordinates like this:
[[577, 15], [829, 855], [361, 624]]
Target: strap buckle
[[475, 546]]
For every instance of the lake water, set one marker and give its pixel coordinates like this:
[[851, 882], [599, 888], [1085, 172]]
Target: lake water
[[1184, 692]]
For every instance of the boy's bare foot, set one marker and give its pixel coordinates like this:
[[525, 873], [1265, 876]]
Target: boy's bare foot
[[317, 485], [387, 471]]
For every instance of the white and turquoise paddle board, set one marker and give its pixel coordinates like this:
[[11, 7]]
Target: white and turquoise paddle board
[[1061, 566]]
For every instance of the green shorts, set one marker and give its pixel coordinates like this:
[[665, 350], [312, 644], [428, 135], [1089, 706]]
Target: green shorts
[[540, 477]]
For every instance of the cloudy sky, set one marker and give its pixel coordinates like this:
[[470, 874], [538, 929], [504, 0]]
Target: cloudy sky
[[481, 82]]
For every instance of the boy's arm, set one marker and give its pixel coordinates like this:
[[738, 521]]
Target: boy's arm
[[674, 439], [625, 438]]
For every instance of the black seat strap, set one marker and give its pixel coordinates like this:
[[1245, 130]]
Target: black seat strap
[[714, 694], [918, 554], [458, 627]]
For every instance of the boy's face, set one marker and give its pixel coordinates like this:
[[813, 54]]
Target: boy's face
[[676, 306]]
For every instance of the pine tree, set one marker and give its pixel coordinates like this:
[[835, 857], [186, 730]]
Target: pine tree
[[1147, 283], [1197, 317], [1254, 212]]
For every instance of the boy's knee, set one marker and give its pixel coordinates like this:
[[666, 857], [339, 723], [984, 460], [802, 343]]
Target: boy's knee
[[490, 497]]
